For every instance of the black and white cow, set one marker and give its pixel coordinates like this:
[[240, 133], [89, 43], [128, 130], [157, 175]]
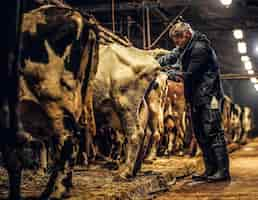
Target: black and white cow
[[59, 57]]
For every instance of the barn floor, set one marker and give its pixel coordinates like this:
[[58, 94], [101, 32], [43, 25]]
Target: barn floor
[[97, 182], [243, 186]]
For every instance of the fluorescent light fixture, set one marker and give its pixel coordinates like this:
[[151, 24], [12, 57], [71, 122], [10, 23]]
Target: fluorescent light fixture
[[226, 2], [253, 80], [242, 47], [248, 65], [238, 34], [250, 71], [245, 58], [256, 86]]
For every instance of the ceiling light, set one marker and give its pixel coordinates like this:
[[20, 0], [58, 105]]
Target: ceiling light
[[250, 71], [256, 86], [248, 65], [253, 80], [242, 47], [226, 2], [238, 34], [245, 58]]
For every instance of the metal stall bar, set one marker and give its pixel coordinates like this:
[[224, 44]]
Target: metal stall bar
[[168, 27], [238, 76], [144, 26], [148, 27]]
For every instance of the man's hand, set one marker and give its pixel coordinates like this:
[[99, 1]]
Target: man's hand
[[175, 75], [169, 68]]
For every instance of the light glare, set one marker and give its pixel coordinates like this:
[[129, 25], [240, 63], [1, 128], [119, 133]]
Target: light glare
[[256, 86], [253, 80], [250, 71], [238, 34], [226, 2], [245, 58], [242, 47], [248, 65]]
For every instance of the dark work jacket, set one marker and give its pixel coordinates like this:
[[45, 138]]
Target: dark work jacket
[[199, 61]]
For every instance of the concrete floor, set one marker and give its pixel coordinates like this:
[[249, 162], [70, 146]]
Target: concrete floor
[[243, 186], [96, 182]]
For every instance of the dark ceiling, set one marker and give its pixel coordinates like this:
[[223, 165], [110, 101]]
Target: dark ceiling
[[207, 16]]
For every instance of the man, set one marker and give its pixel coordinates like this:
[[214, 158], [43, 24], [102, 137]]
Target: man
[[203, 93]]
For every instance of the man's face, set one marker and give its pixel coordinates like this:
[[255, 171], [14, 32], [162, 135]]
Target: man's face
[[181, 39]]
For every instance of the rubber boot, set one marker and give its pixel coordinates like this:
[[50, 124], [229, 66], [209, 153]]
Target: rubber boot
[[222, 173], [210, 169]]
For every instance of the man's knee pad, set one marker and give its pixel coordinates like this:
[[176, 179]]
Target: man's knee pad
[[212, 124], [218, 139]]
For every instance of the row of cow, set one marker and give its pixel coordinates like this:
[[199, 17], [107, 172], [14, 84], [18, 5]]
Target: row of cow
[[61, 73], [88, 101], [175, 133], [237, 121]]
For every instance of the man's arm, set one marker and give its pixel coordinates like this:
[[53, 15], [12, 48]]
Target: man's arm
[[170, 58]]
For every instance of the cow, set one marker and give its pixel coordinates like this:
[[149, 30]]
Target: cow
[[59, 58], [235, 128], [155, 100], [124, 77], [109, 139], [226, 108], [175, 117], [246, 124], [110, 133]]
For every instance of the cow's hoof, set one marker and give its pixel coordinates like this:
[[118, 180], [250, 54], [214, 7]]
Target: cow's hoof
[[120, 178], [147, 161], [41, 172], [123, 175], [151, 158], [180, 153], [58, 193]]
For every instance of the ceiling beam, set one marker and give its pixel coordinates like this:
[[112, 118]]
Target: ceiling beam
[[125, 6]]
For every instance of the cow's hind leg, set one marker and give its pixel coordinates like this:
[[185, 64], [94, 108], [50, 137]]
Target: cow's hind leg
[[134, 155], [171, 142], [9, 152], [60, 181], [14, 168]]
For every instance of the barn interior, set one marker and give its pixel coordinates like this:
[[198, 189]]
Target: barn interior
[[90, 114], [145, 23]]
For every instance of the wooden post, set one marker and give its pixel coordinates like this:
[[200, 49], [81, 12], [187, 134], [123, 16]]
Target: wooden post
[[143, 26], [129, 24], [148, 27], [113, 16]]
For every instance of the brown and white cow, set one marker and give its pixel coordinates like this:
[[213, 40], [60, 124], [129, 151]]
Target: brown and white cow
[[175, 117], [226, 108], [235, 124], [59, 57], [125, 76], [155, 101]]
